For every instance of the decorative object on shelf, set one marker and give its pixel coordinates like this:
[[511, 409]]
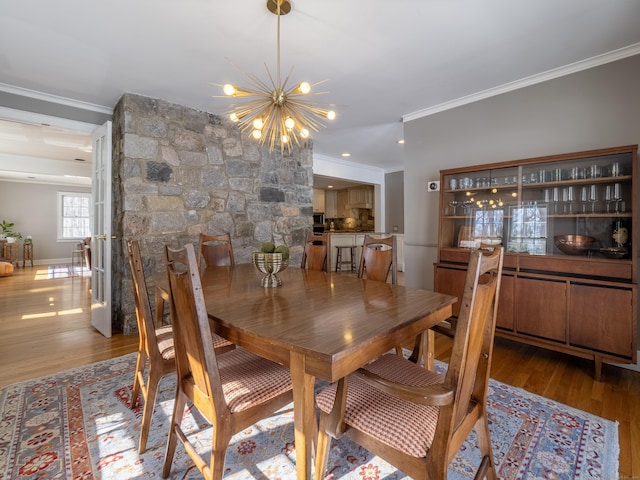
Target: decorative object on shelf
[[8, 232], [277, 113], [614, 252], [574, 244], [270, 260]]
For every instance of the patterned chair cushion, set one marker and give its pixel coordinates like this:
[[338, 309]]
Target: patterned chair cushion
[[244, 382], [403, 425], [165, 342]]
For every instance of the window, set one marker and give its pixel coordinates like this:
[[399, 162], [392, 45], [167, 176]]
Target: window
[[74, 215]]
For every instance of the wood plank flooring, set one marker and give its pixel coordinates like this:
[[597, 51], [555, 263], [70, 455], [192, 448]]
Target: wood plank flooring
[[45, 327]]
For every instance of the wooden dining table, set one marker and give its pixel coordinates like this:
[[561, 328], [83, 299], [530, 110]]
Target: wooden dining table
[[320, 325]]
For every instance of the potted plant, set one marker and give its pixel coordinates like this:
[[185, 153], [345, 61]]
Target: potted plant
[[8, 232]]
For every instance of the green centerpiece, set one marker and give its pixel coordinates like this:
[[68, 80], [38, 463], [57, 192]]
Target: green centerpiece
[[270, 260]]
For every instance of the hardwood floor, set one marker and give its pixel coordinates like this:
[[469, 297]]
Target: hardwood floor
[[45, 327]]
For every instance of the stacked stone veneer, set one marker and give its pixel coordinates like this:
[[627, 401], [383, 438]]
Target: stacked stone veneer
[[179, 172]]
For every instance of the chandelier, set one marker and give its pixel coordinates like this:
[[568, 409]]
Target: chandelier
[[277, 113]]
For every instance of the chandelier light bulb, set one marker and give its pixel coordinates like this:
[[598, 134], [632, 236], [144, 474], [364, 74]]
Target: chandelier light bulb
[[331, 115], [304, 87], [234, 118], [258, 124], [229, 89], [285, 138], [304, 133], [256, 134], [289, 123]]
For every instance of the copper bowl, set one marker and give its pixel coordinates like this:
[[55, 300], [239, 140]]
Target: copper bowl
[[574, 244]]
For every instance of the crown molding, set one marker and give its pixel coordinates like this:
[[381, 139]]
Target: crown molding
[[69, 102], [586, 64]]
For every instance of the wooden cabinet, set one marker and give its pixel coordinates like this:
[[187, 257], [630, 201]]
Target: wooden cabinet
[[582, 303], [318, 200], [343, 197], [360, 197], [330, 204]]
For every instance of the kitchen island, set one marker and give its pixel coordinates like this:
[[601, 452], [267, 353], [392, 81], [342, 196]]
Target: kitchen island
[[351, 237]]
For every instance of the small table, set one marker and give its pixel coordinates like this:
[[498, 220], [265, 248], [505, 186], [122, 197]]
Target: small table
[[27, 253], [11, 253]]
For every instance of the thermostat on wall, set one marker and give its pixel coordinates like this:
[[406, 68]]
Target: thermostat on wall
[[434, 186]]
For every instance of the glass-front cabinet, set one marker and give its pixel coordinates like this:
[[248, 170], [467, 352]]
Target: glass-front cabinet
[[568, 219]]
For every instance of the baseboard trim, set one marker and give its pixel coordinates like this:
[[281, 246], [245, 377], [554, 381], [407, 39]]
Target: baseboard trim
[[629, 366]]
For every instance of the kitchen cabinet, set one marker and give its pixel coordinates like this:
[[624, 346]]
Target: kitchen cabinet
[[360, 197], [318, 200], [330, 204], [583, 303], [343, 197]]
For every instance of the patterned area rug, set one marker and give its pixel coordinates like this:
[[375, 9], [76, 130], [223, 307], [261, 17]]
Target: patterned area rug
[[76, 425]]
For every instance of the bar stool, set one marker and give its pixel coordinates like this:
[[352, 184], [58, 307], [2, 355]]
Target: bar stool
[[351, 261], [77, 259]]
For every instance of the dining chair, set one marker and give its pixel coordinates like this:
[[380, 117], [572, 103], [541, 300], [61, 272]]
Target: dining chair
[[314, 255], [216, 250], [379, 257], [231, 391], [156, 346], [412, 417]]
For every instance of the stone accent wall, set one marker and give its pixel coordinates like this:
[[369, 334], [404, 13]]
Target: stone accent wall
[[179, 172]]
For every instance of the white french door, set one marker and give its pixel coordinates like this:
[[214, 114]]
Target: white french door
[[101, 231]]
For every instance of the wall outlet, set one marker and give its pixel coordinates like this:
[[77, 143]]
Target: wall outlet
[[434, 186]]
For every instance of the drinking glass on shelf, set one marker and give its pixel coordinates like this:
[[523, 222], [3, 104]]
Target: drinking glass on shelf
[[608, 196], [617, 195], [466, 204], [568, 197], [593, 197], [454, 204], [555, 198], [584, 198]]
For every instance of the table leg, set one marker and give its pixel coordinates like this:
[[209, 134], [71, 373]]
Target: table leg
[[429, 339], [304, 415]]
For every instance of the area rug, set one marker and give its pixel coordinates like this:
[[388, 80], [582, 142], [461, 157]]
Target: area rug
[[77, 425]]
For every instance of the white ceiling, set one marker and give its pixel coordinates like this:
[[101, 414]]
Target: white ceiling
[[383, 60]]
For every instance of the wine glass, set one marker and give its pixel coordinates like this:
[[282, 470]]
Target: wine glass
[[608, 196], [617, 195], [454, 204], [593, 197], [584, 198], [466, 204], [568, 197], [555, 198]]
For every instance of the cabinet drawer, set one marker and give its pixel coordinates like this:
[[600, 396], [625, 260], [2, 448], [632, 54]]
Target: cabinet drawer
[[578, 265]]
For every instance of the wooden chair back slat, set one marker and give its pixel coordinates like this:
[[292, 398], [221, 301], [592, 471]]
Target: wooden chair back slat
[[379, 257], [316, 248], [216, 250]]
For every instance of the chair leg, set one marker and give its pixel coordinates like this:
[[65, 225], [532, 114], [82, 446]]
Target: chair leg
[[487, 468], [137, 377], [219, 444], [176, 420], [149, 406], [322, 448]]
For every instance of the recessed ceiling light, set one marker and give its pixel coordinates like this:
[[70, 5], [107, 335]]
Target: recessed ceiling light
[[401, 141], [346, 154], [329, 186]]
